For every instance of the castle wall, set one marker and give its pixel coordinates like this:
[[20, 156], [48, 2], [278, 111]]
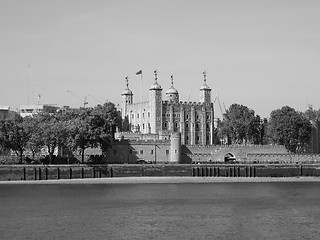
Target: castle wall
[[139, 117], [196, 153], [194, 120], [152, 151]]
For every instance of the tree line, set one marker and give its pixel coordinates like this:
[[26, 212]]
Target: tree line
[[78, 129], [286, 126], [72, 130]]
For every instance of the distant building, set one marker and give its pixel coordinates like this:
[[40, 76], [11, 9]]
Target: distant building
[[4, 112], [29, 110], [158, 117], [156, 130]]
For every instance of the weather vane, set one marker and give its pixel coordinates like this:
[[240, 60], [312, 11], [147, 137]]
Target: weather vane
[[205, 76], [156, 74], [172, 80], [127, 80]]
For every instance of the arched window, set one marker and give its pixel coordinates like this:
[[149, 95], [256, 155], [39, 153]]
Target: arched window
[[165, 125]]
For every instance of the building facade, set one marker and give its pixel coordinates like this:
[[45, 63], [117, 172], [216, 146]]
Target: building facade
[[161, 117]]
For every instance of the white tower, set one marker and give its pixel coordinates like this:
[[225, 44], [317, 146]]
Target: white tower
[[205, 91], [155, 100], [127, 99]]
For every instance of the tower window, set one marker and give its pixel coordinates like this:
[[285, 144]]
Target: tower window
[[141, 151], [165, 124], [167, 151], [148, 114], [138, 115]]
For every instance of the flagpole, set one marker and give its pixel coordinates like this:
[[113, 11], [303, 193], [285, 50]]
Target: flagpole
[[141, 86]]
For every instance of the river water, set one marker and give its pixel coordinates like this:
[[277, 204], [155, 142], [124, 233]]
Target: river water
[[280, 210]]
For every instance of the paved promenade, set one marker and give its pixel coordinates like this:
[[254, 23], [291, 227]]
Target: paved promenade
[[161, 180]]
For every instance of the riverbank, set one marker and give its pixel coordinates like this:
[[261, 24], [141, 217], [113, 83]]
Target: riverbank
[[127, 171], [166, 180]]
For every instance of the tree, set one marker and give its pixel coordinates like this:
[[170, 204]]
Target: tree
[[255, 130], [81, 135], [14, 135], [53, 131], [35, 143], [105, 119], [240, 125], [291, 129]]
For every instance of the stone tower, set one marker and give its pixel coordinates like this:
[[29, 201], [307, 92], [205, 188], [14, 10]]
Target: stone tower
[[127, 99], [205, 91], [155, 101], [175, 147], [172, 94]]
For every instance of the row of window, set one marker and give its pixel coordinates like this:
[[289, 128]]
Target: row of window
[[151, 151], [138, 115], [176, 125], [137, 128], [141, 151], [187, 116], [197, 140]]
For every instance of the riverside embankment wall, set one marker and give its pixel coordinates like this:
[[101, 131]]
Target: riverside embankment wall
[[47, 172]]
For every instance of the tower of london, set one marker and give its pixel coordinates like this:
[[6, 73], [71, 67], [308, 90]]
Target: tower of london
[[161, 116]]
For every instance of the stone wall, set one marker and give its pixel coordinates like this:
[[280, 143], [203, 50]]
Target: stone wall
[[202, 154], [47, 172]]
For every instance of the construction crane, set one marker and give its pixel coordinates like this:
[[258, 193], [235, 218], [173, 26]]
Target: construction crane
[[222, 112], [84, 100], [97, 100]]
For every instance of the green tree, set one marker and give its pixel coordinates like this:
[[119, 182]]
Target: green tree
[[290, 128], [105, 119], [35, 143], [14, 136], [53, 131], [80, 134], [239, 124]]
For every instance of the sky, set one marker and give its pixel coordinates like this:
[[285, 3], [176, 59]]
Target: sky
[[261, 54]]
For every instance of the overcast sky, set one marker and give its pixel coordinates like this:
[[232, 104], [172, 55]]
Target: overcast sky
[[262, 54]]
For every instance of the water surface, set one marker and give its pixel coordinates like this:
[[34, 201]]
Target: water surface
[[281, 210]]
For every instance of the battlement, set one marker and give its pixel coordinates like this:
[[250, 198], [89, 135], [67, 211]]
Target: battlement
[[181, 103], [140, 104]]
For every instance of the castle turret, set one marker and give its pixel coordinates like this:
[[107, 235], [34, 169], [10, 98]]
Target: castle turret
[[205, 91], [175, 147], [172, 94], [155, 101], [127, 99]]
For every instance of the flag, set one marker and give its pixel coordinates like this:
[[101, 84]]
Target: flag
[[139, 72]]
